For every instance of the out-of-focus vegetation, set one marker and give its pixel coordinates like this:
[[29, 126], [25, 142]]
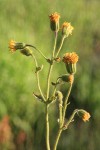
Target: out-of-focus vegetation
[[23, 116]]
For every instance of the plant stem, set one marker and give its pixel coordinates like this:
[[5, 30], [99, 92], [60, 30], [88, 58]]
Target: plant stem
[[47, 129], [71, 118], [37, 50], [65, 103], [48, 80], [62, 41], [38, 80], [64, 111], [51, 67], [53, 53], [57, 139]]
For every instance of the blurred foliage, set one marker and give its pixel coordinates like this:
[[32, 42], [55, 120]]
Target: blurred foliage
[[27, 21]]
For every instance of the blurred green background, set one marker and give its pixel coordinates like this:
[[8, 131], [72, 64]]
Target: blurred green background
[[20, 113]]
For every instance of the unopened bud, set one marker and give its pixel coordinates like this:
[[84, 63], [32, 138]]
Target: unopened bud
[[26, 51], [58, 59], [67, 78], [54, 21]]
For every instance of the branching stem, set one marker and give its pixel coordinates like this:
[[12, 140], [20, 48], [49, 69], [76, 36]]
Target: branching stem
[[37, 50], [38, 80], [51, 66], [61, 127]]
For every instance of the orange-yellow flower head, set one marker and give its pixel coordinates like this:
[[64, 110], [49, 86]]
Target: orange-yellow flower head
[[54, 17], [54, 21], [15, 46], [70, 60], [12, 46], [86, 116], [67, 29]]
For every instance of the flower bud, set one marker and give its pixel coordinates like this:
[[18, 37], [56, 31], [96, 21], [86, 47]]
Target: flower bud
[[15, 46], [59, 96], [58, 59], [84, 115], [54, 21], [67, 29], [67, 78], [70, 60], [26, 51]]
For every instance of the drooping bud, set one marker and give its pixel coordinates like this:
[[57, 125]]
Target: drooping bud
[[67, 78], [70, 60], [15, 46], [26, 51], [67, 29], [84, 115], [54, 22]]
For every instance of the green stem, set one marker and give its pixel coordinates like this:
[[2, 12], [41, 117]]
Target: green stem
[[56, 33], [62, 41], [60, 114], [55, 88], [65, 103], [64, 111], [51, 67], [37, 50], [71, 118], [38, 80], [57, 139], [48, 80], [47, 129]]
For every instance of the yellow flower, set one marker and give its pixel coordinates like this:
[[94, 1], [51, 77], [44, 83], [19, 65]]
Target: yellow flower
[[16, 46], [67, 29], [86, 116], [54, 21], [54, 17], [70, 58], [12, 46]]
